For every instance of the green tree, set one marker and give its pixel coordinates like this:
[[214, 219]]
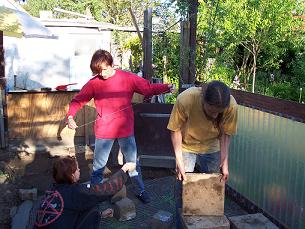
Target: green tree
[[112, 11], [239, 32]]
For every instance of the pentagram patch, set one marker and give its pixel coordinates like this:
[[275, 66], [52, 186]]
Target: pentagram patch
[[51, 207]]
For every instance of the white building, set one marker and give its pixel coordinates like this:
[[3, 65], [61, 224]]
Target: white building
[[34, 63]]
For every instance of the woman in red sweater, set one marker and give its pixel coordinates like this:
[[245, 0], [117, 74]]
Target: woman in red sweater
[[112, 91]]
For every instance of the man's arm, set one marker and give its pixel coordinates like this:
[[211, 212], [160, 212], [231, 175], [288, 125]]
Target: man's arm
[[224, 151], [176, 137]]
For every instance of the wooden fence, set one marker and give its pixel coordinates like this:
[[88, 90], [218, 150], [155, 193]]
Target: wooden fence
[[38, 115]]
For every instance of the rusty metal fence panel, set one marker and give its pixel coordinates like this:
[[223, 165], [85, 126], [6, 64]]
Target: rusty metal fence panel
[[267, 164]]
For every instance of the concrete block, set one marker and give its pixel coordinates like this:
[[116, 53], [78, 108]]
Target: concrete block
[[28, 194], [251, 221], [205, 222], [162, 220], [124, 210], [158, 161], [119, 195], [20, 219], [203, 195]]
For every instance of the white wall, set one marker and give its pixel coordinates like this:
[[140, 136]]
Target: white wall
[[39, 62]]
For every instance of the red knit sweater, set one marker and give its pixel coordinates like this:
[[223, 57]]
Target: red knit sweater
[[112, 98]]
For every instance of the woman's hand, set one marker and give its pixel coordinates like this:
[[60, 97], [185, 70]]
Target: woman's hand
[[129, 167], [71, 123]]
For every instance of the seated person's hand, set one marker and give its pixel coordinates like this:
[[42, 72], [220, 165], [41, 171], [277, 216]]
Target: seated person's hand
[[129, 166], [108, 213]]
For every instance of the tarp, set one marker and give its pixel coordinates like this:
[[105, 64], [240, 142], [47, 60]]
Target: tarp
[[17, 23]]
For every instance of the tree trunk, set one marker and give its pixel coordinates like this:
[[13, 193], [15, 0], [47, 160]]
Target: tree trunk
[[136, 25], [192, 16], [165, 62], [254, 70]]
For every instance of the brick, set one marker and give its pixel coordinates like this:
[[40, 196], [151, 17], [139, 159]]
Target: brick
[[124, 210], [28, 194], [205, 222], [251, 221], [162, 220], [203, 195], [119, 195]]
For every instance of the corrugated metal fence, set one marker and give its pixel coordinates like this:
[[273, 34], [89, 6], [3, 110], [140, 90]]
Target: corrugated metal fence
[[267, 164]]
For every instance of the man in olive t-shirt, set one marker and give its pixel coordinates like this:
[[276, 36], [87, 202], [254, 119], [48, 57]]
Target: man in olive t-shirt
[[201, 123]]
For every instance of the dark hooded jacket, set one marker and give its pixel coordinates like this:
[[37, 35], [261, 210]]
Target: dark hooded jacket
[[70, 205]]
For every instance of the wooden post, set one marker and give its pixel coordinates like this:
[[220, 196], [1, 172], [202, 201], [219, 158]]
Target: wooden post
[[147, 41], [192, 12], [3, 120], [184, 53], [188, 47]]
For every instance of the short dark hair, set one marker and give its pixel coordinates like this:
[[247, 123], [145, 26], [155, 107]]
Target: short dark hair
[[99, 57], [63, 168]]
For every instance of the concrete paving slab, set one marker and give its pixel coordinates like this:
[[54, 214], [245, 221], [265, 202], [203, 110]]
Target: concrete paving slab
[[251, 221], [205, 222]]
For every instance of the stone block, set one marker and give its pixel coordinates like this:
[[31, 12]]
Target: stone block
[[205, 222], [28, 194], [203, 195], [119, 195], [251, 221], [162, 220], [124, 210], [3, 178]]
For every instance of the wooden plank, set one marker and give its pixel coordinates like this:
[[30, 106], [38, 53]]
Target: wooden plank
[[2, 64], [2, 129], [42, 115], [3, 117], [281, 107]]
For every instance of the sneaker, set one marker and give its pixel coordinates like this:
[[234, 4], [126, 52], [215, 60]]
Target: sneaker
[[144, 197]]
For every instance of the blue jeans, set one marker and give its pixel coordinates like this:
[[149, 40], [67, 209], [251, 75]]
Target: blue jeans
[[128, 149], [209, 163]]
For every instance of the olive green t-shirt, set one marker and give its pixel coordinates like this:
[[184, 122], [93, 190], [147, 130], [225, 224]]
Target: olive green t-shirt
[[199, 134]]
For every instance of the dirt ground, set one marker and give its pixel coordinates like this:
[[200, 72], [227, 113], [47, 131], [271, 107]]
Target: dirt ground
[[20, 169]]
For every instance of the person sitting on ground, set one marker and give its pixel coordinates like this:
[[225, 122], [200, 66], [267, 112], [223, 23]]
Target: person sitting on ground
[[71, 205]]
